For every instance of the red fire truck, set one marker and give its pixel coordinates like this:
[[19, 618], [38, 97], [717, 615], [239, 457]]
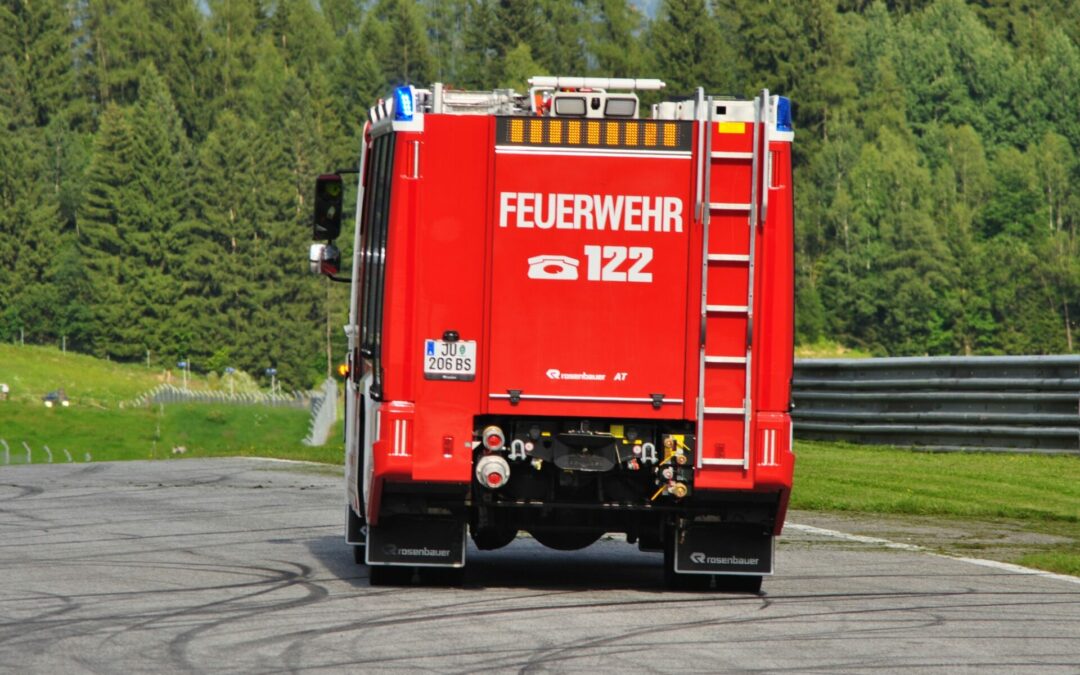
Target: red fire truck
[[568, 318]]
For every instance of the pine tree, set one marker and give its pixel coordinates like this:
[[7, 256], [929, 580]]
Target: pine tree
[[397, 35], [689, 50], [105, 221], [613, 40], [162, 161], [37, 35]]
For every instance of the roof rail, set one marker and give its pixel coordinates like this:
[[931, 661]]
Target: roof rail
[[626, 83]]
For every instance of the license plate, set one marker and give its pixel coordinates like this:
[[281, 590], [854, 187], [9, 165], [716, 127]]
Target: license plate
[[450, 360]]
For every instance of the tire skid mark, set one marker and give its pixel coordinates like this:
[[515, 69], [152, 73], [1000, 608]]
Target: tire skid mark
[[931, 618], [46, 616], [24, 491], [130, 537], [428, 614], [91, 625], [179, 645]]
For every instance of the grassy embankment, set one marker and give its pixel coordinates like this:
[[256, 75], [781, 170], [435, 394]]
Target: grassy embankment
[[1032, 493], [95, 425]]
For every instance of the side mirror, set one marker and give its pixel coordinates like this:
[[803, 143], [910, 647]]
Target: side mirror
[[329, 192]]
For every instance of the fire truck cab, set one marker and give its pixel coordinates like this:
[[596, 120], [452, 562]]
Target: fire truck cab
[[568, 318]]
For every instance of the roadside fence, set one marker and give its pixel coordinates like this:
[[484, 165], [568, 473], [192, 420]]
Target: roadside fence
[[167, 393], [323, 414]]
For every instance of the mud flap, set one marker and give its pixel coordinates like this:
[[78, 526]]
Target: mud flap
[[418, 542], [716, 549]]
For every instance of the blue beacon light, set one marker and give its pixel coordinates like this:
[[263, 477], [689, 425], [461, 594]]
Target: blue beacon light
[[783, 114], [403, 104]]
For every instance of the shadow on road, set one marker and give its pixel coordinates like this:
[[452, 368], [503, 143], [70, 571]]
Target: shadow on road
[[525, 563]]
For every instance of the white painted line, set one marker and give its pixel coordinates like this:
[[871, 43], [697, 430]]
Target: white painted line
[[820, 531], [287, 461], [993, 564]]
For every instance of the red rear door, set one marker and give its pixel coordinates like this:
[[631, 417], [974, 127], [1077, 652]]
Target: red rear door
[[589, 267]]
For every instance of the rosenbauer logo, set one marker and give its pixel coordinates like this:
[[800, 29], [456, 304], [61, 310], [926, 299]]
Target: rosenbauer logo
[[699, 558], [563, 211], [423, 552], [556, 374]]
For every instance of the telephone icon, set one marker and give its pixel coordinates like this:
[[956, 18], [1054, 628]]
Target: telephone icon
[[559, 267]]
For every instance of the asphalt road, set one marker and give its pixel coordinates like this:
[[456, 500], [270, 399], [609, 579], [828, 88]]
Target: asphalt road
[[238, 565]]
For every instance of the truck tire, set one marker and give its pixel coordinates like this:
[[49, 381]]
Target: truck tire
[[390, 575], [442, 576], [491, 538], [355, 531], [739, 583], [681, 582]]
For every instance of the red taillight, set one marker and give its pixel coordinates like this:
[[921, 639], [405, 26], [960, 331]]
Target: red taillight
[[494, 479]]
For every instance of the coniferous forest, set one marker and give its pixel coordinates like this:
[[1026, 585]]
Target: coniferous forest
[[157, 157]]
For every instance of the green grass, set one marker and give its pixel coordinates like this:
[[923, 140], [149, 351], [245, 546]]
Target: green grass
[[31, 372], [842, 477], [95, 425], [827, 349], [1040, 493], [1062, 562], [152, 432]]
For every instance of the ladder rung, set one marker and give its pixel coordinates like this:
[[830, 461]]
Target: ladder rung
[[721, 462], [726, 309], [724, 411], [725, 359], [729, 206], [728, 257], [720, 154]]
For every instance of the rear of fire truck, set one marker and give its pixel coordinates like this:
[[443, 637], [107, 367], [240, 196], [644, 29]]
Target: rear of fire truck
[[570, 316]]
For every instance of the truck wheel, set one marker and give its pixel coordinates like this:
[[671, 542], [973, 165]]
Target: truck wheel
[[681, 582], [566, 541], [491, 538], [390, 575], [442, 576], [356, 530], [738, 583]]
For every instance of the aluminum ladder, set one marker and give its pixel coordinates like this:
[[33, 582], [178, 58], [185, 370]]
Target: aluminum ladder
[[725, 401]]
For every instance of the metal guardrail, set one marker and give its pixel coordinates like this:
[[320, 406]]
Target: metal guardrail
[[989, 403]]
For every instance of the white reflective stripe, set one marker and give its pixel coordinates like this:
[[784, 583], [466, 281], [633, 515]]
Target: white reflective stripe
[[401, 438], [607, 399], [768, 447], [721, 462], [587, 152], [725, 411], [729, 309], [720, 154], [728, 257], [725, 359], [728, 206]]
